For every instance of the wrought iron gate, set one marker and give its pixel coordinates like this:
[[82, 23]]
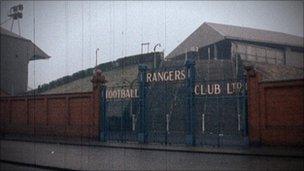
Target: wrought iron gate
[[222, 117], [176, 111], [120, 114], [167, 109]]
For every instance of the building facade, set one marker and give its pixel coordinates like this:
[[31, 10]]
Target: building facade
[[219, 41], [16, 53]]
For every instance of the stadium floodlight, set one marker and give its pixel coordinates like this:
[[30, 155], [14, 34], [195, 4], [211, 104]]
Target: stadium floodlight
[[145, 44], [16, 14]]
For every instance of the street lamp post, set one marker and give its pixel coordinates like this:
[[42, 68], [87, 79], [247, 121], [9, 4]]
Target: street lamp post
[[96, 58], [154, 49]]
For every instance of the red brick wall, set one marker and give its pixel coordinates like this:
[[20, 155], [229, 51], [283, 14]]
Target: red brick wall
[[2, 93], [276, 114], [61, 115]]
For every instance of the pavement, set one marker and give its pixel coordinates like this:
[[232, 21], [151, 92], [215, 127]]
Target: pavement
[[13, 166], [274, 151], [93, 155]]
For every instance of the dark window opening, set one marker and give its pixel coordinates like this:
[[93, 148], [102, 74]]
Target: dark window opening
[[223, 50], [206, 52]]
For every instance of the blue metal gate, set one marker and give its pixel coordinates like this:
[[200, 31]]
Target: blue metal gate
[[222, 118], [169, 106], [120, 114], [176, 109]]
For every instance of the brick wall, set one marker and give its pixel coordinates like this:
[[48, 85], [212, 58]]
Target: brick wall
[[275, 111], [72, 115], [2, 93]]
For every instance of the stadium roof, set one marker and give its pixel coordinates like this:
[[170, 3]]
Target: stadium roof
[[35, 51], [210, 33]]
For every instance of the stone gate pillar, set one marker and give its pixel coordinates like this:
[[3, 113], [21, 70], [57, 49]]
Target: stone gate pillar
[[99, 95]]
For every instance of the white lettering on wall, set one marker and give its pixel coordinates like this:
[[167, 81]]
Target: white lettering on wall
[[199, 89], [176, 75]]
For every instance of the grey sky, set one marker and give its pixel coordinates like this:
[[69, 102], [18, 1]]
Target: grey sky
[[71, 31]]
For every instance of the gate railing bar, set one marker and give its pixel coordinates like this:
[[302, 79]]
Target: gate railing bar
[[133, 122], [203, 123], [168, 123], [239, 122]]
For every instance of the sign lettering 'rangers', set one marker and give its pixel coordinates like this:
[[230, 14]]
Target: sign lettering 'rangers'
[[227, 88]]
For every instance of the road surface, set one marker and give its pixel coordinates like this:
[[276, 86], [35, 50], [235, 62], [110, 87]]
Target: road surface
[[107, 158]]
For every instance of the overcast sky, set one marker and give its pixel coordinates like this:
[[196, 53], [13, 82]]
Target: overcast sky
[[71, 31]]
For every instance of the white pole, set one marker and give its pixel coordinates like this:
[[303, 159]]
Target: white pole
[[96, 58]]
